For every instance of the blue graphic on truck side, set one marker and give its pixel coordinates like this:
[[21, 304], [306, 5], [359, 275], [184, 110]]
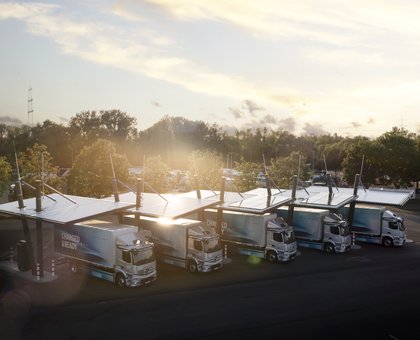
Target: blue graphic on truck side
[[73, 242]]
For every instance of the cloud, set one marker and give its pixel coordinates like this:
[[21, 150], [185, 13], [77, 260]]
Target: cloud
[[251, 107], [124, 9], [125, 48], [10, 120], [268, 120], [345, 58], [237, 113], [288, 124], [25, 10], [147, 45], [268, 19], [313, 129], [343, 24]]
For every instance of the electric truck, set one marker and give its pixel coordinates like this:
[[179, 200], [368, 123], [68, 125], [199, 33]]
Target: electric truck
[[375, 224], [116, 253], [185, 243], [319, 229], [264, 236]]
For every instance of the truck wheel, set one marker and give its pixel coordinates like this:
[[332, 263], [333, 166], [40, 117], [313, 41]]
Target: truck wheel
[[329, 248], [120, 281], [192, 266], [272, 256], [387, 242]]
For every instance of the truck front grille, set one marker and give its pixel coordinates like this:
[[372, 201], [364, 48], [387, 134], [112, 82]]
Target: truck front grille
[[147, 271], [214, 258]]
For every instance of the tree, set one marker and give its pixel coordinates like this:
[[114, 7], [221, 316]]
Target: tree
[[57, 139], [5, 172], [400, 156], [36, 163], [207, 166], [248, 172], [156, 175], [87, 124], [283, 169], [371, 153], [119, 125], [92, 175]]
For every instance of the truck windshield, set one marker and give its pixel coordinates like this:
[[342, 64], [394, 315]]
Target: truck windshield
[[142, 256], [289, 237], [212, 245]]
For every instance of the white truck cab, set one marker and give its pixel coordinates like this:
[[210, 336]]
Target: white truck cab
[[394, 232], [281, 243], [336, 234]]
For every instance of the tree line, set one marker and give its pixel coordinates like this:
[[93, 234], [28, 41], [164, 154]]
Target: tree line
[[90, 139]]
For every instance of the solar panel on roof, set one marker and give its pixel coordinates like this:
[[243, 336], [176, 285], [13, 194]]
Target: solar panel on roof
[[255, 201], [257, 204], [372, 195], [61, 210], [229, 196], [324, 200], [313, 199], [166, 205]]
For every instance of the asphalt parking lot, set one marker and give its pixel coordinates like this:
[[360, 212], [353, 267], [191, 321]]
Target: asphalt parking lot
[[371, 292]]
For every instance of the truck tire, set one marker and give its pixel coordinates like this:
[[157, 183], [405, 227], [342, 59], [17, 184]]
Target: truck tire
[[192, 266], [329, 248], [387, 242], [272, 256], [120, 281]]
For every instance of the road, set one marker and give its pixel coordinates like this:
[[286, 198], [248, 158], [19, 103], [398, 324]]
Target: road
[[369, 293]]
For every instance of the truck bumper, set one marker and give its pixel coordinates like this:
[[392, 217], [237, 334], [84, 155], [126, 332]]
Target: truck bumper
[[136, 281], [342, 248], [285, 257], [207, 267], [399, 242]]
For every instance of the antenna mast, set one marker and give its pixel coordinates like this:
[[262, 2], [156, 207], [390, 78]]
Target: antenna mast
[[30, 108]]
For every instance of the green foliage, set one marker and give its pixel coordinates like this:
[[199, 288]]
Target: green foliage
[[393, 158], [119, 125], [207, 166], [399, 156], [372, 162], [34, 163], [5, 173], [283, 169], [91, 174], [156, 175], [56, 138], [248, 172]]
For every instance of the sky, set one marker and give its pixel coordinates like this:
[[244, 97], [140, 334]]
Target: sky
[[309, 67]]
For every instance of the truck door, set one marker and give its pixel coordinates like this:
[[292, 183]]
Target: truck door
[[332, 232], [394, 228], [124, 260], [195, 247]]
